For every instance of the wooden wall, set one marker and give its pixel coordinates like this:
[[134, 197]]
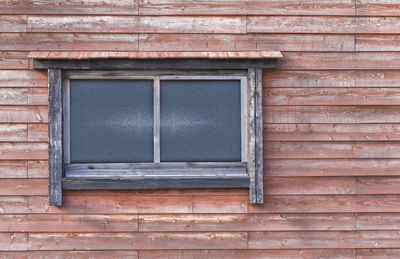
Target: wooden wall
[[332, 132]]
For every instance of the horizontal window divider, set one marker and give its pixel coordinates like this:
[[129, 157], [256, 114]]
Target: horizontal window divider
[[163, 182], [151, 165]]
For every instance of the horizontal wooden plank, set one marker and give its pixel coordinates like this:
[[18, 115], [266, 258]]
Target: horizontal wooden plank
[[17, 96], [370, 42], [262, 222], [378, 185], [38, 132], [331, 114], [340, 61], [245, 254], [378, 221], [13, 169], [331, 167], [328, 204], [287, 150], [130, 254], [23, 78], [13, 132], [331, 132], [141, 204], [309, 185], [161, 192], [23, 151], [38, 96], [377, 8], [378, 253], [137, 24], [245, 42], [13, 204], [68, 42], [68, 223], [23, 114], [68, 7], [38, 169], [332, 96], [13, 23], [121, 241], [15, 187], [322, 78], [319, 239], [301, 24], [13, 60], [13, 241], [245, 7]]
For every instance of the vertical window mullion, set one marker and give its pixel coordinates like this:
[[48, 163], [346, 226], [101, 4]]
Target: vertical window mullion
[[156, 120]]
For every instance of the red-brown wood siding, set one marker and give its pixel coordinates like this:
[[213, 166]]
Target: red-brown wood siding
[[331, 132]]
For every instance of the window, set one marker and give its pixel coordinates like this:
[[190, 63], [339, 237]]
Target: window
[[154, 129]]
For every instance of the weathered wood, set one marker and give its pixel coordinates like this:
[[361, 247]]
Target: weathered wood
[[177, 63], [332, 132], [153, 182], [55, 137], [137, 24], [13, 204], [123, 241], [378, 221], [13, 60], [68, 223], [259, 222], [378, 253], [378, 185], [38, 132], [13, 23], [251, 134], [258, 124], [38, 169], [331, 167], [23, 151], [372, 42], [15, 187], [377, 8], [13, 132], [117, 7], [13, 241], [13, 169], [123, 204], [246, 7], [80, 254], [245, 42], [319, 239], [23, 114], [17, 96], [23, 78]]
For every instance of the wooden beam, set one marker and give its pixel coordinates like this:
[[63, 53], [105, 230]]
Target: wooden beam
[[259, 137], [55, 137], [251, 135], [176, 63]]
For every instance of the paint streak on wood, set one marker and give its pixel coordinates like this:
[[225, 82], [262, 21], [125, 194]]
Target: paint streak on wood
[[68, 223], [246, 7], [318, 239], [331, 167], [10, 204], [261, 222], [136, 24], [116, 7], [122, 241], [13, 169]]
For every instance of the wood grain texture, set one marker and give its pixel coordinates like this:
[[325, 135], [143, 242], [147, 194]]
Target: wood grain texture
[[13, 23], [378, 221], [23, 151], [131, 254], [378, 185], [116, 7], [136, 24], [378, 253], [331, 167], [141, 204], [16, 187], [13, 60], [328, 204], [332, 96], [13, 241], [123, 241], [254, 253], [13, 204], [68, 42], [13, 169], [245, 42], [377, 8], [331, 132], [38, 132], [23, 114], [68, 223], [371, 42], [13, 132], [359, 239], [246, 222], [246, 7], [23, 78], [38, 169]]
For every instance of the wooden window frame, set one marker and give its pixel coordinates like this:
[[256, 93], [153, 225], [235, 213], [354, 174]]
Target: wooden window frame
[[154, 175]]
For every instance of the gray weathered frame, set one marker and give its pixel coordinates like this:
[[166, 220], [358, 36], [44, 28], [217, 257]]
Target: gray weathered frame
[[142, 176]]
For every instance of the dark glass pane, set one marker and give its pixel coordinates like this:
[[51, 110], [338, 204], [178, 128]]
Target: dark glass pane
[[111, 120], [200, 120]]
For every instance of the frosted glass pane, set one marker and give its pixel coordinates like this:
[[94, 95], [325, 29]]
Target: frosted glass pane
[[111, 120], [200, 120]]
